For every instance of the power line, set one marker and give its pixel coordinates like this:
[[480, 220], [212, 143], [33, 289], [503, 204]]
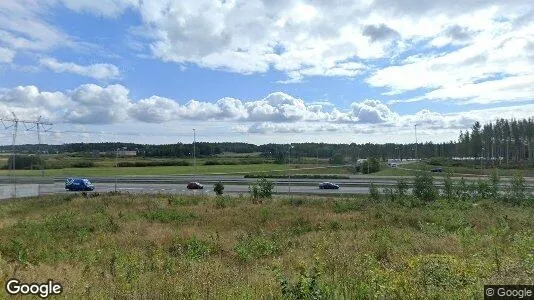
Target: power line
[[28, 125]]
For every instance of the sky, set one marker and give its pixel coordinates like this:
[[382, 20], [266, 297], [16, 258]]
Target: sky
[[263, 71]]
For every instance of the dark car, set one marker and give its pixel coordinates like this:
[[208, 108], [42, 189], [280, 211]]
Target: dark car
[[328, 185], [439, 170], [78, 184], [195, 186]]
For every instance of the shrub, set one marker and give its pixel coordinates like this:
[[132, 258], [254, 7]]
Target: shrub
[[306, 287], [153, 163], [371, 165], [374, 194], [254, 191], [461, 190], [517, 188], [448, 188], [192, 248], [218, 188], [390, 194], [483, 189], [255, 246], [402, 188], [424, 188], [24, 162], [494, 179], [83, 164], [266, 188]]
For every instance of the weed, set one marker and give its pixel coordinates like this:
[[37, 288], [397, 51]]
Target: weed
[[307, 286], [255, 246], [166, 216]]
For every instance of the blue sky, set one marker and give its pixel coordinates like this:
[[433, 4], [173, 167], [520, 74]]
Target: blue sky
[[264, 71]]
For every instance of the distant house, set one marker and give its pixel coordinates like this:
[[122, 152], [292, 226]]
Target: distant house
[[126, 153]]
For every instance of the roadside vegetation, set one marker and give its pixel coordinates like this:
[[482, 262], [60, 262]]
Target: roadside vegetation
[[430, 243]]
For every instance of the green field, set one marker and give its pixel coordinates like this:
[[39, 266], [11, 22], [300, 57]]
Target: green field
[[178, 170], [176, 247]]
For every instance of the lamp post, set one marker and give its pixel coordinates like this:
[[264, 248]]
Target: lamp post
[[289, 167], [117, 164], [194, 156], [481, 156]]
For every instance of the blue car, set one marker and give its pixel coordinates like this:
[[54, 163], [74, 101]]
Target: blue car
[[78, 184]]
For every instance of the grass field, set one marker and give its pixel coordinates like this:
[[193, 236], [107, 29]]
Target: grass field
[[411, 169], [175, 247], [179, 170]]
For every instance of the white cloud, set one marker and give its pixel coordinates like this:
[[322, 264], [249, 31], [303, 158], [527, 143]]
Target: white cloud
[[106, 8], [92, 104], [154, 110], [278, 113], [373, 111], [22, 26], [96, 71], [6, 55]]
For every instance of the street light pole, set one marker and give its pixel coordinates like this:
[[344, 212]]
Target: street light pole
[[194, 156], [415, 126], [290, 168], [117, 164]]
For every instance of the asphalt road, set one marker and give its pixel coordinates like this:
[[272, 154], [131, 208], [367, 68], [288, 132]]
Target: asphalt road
[[26, 190], [31, 186]]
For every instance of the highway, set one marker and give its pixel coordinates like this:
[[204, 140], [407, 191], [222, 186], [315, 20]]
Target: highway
[[357, 184], [35, 189]]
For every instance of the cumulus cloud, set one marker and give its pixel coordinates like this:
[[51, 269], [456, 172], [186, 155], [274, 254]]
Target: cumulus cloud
[[154, 110], [277, 113], [90, 104], [96, 71], [373, 111]]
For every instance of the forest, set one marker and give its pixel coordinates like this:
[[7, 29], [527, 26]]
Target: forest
[[509, 141]]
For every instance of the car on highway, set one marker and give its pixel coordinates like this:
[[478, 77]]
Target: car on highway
[[78, 184], [328, 185], [194, 186], [438, 170]]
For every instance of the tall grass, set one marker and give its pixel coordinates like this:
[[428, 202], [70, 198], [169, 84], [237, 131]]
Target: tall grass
[[161, 246]]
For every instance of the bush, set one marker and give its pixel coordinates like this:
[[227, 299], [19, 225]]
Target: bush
[[83, 164], [306, 287], [24, 162], [517, 188], [461, 190], [390, 194], [218, 188], [255, 246], [402, 188], [374, 194], [125, 164], [371, 165], [424, 188], [495, 179], [448, 188], [263, 188], [483, 189]]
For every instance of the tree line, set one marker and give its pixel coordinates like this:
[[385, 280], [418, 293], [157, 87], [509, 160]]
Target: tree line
[[510, 140]]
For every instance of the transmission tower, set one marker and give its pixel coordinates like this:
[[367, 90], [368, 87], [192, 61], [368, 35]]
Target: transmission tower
[[29, 126]]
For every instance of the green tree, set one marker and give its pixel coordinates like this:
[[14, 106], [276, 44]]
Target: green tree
[[424, 188], [218, 188]]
